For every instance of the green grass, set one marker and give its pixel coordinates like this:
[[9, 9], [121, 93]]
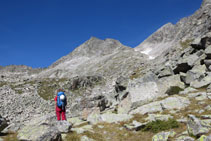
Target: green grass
[[158, 125]]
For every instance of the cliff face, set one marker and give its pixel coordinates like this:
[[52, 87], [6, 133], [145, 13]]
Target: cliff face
[[169, 35]]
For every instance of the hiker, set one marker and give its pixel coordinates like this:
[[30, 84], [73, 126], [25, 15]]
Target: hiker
[[61, 102]]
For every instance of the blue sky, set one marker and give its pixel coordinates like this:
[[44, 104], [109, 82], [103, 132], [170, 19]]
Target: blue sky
[[38, 32]]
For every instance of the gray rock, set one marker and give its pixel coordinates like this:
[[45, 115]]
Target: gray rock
[[163, 136], [196, 127]]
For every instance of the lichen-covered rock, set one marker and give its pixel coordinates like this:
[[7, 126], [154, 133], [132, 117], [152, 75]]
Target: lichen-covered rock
[[185, 138], [204, 138], [163, 136], [196, 127]]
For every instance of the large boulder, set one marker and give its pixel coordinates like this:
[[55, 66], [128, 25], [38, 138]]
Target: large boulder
[[44, 128], [39, 133], [196, 127], [143, 90], [148, 88], [3, 123]]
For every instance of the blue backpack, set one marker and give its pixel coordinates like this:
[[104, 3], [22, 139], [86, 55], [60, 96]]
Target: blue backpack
[[61, 103]]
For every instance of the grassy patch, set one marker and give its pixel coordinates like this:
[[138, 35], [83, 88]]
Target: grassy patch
[[9, 136], [158, 125], [73, 136]]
